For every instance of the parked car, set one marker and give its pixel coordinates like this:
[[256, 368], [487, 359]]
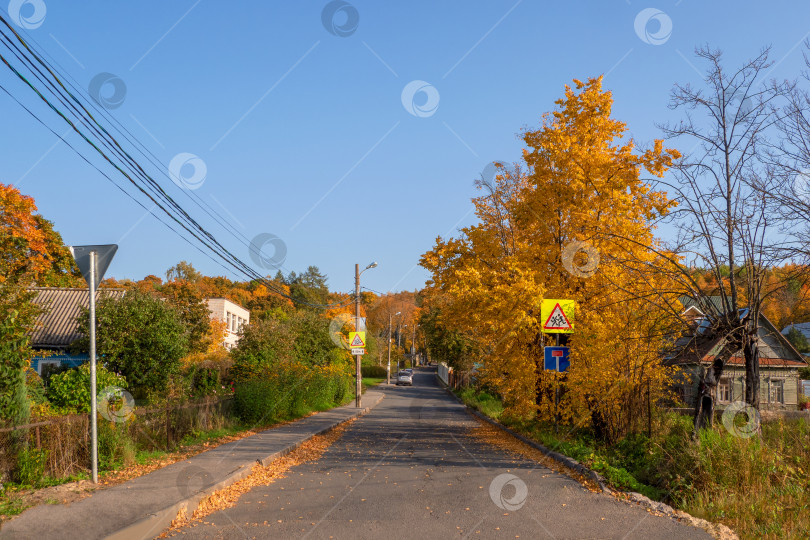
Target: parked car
[[404, 377]]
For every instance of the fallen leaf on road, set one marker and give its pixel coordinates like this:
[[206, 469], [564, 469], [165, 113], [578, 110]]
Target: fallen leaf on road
[[259, 476]]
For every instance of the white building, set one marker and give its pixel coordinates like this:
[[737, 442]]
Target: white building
[[234, 316]]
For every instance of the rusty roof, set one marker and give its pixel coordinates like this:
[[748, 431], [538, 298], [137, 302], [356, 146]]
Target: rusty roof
[[56, 325], [773, 362]]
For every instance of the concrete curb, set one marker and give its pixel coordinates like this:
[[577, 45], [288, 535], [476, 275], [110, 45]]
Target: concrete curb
[[556, 456], [154, 524]]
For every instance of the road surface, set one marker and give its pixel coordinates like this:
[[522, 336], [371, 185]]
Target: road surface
[[411, 468]]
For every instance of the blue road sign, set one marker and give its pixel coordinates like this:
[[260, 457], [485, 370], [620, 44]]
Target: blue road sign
[[556, 358]]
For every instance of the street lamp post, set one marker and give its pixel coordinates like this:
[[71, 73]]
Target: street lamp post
[[389, 346], [413, 346], [358, 371]]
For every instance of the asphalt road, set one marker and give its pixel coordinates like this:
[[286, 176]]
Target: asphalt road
[[411, 469]]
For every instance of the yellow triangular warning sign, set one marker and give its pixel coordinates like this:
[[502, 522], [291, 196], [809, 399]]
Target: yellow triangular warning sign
[[557, 320], [357, 339]]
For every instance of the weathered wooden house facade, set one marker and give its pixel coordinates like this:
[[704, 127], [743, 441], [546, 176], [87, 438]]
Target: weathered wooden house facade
[[779, 364]]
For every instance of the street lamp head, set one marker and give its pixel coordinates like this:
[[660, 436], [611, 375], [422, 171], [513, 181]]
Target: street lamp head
[[372, 265]]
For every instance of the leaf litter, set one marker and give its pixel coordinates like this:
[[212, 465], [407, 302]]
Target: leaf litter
[[260, 475]]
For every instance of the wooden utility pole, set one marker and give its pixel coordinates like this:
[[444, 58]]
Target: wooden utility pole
[[358, 371]]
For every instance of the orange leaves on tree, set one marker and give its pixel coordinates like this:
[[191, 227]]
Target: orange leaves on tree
[[580, 183], [29, 247]]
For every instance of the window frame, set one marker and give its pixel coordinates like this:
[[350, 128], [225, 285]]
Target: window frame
[[724, 385], [777, 385]]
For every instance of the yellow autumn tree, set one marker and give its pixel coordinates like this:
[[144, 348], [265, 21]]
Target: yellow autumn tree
[[573, 221]]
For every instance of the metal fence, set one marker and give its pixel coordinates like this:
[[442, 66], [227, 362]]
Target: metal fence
[[60, 446]]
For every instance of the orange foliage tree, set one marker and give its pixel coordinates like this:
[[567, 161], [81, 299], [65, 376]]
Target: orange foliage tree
[[573, 221]]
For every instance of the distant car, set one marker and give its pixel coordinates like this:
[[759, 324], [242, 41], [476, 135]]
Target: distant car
[[404, 377]]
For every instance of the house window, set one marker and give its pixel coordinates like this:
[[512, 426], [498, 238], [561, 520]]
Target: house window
[[724, 390], [777, 391], [45, 367]]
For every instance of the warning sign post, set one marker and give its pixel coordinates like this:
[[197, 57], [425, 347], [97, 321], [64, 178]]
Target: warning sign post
[[357, 340], [557, 316]]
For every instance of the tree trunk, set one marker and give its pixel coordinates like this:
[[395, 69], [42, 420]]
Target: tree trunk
[[751, 352], [704, 406]]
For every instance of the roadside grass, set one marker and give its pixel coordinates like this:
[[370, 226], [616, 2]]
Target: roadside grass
[[760, 487], [482, 401], [369, 382]]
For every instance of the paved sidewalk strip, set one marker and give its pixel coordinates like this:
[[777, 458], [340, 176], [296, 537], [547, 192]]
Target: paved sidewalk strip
[[144, 506]]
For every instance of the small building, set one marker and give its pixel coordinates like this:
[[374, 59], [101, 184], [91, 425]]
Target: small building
[[56, 326], [779, 364], [234, 316]]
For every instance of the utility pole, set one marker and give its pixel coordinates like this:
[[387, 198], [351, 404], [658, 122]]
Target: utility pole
[[413, 346], [389, 345], [358, 374], [389, 350]]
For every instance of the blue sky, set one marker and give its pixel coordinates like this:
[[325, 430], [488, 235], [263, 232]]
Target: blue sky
[[303, 133]]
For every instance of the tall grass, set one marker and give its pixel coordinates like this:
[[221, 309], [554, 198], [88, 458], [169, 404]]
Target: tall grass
[[758, 487]]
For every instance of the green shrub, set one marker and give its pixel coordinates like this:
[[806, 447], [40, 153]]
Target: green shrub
[[15, 354], [71, 390], [34, 387], [138, 335], [290, 391], [30, 466], [377, 372], [260, 402]]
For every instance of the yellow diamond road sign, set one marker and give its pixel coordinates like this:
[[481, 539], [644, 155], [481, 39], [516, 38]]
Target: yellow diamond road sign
[[558, 316], [357, 340]]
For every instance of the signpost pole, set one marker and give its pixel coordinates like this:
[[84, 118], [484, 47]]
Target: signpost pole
[[556, 386], [93, 261], [93, 405]]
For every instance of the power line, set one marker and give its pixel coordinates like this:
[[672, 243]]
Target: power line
[[121, 159]]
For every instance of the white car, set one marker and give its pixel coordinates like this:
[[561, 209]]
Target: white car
[[405, 377]]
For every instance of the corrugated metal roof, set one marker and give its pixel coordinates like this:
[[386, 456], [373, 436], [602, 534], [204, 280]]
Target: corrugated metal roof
[[56, 326]]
